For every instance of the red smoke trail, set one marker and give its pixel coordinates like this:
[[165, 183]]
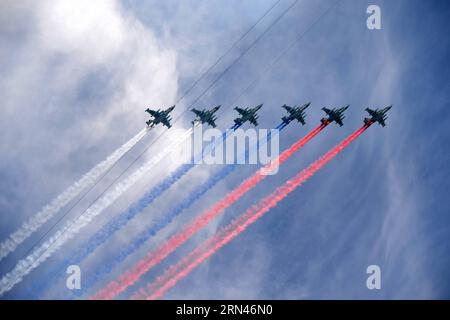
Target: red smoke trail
[[180, 270], [130, 277]]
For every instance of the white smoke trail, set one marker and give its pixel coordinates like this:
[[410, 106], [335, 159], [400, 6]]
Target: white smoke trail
[[48, 211], [72, 227]]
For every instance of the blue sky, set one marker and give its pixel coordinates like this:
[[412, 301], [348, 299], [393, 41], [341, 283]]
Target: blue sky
[[75, 80]]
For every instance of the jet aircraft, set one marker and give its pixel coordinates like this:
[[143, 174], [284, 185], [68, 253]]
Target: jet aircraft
[[378, 115], [160, 116], [206, 116], [247, 114], [295, 113], [335, 114]]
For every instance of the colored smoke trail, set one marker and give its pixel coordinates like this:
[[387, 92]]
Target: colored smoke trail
[[107, 266], [119, 221], [49, 210], [181, 269], [72, 227], [130, 277]]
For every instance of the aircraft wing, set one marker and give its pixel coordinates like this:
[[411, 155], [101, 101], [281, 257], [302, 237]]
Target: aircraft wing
[[253, 121], [152, 112], [166, 122], [339, 121], [371, 112], [241, 111], [212, 123], [381, 121], [288, 109], [301, 120], [327, 111], [197, 112]]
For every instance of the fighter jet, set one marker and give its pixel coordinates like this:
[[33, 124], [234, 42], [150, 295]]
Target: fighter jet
[[160, 116], [295, 113], [206, 116], [378, 115], [336, 115], [247, 114]]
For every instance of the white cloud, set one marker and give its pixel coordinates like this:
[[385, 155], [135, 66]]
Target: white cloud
[[56, 120], [78, 27]]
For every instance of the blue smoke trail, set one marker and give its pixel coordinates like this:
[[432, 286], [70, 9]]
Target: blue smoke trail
[[122, 219], [108, 266]]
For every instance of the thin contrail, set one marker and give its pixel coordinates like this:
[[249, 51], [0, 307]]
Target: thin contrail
[[72, 227], [49, 210], [178, 271], [131, 276]]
